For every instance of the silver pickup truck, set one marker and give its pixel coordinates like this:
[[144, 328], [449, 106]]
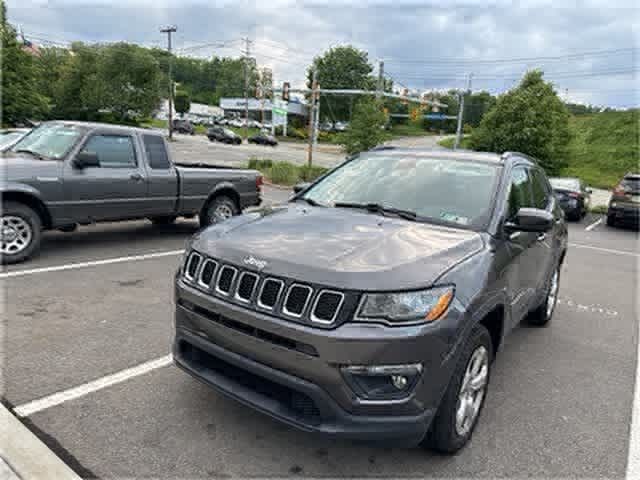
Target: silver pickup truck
[[65, 174]]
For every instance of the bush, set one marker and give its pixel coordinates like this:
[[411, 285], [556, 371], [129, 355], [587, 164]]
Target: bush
[[260, 164], [284, 173], [310, 173]]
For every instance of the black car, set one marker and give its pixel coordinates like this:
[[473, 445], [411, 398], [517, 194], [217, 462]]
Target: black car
[[372, 305], [573, 195], [624, 205], [223, 135], [263, 139], [183, 126]]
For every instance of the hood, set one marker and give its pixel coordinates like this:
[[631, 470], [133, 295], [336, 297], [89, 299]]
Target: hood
[[339, 247], [20, 167]]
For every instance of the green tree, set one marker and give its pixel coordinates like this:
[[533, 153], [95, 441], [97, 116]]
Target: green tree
[[339, 68], [365, 130], [530, 119], [51, 63], [182, 102], [20, 97]]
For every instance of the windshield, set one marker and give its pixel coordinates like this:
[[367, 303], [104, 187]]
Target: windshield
[[6, 138], [565, 183], [437, 189], [52, 140]]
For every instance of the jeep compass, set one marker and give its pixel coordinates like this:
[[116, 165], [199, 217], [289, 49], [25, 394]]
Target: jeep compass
[[372, 304]]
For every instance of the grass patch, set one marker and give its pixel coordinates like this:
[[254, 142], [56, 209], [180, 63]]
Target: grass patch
[[408, 130], [604, 146], [285, 173], [599, 209], [449, 141], [154, 123]]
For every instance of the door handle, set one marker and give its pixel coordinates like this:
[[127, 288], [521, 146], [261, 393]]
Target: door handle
[[136, 176], [542, 237]]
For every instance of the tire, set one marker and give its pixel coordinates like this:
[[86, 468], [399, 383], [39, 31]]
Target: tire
[[611, 221], [219, 209], [541, 316], [24, 228], [447, 434], [164, 220]]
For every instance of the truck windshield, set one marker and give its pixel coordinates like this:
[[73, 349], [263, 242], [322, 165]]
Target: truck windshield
[[49, 141], [438, 190]]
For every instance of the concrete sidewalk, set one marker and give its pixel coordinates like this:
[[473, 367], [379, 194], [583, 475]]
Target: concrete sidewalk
[[23, 455]]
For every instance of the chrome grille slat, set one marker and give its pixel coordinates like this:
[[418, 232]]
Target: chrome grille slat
[[336, 310], [293, 288], [259, 301], [194, 257], [201, 281], [243, 276], [221, 272]]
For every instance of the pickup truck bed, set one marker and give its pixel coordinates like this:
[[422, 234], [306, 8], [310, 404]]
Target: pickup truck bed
[[67, 173]]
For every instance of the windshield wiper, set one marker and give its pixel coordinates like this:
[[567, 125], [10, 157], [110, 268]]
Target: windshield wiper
[[377, 208], [39, 156]]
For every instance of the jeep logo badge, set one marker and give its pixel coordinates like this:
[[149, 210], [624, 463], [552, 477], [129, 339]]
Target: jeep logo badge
[[250, 260]]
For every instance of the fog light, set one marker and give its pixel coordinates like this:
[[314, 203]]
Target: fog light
[[382, 382], [399, 381]]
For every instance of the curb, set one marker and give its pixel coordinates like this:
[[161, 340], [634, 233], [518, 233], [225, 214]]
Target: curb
[[25, 453]]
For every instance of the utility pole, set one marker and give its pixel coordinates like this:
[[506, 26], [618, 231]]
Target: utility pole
[[380, 79], [312, 116], [169, 31], [246, 53], [461, 113]]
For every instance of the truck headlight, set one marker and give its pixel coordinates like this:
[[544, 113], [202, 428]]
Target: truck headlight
[[420, 306]]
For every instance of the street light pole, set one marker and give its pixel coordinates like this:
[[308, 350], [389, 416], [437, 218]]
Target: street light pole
[[312, 116], [169, 31]]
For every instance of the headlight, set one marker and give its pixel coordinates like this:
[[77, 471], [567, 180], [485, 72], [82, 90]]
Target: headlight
[[406, 307]]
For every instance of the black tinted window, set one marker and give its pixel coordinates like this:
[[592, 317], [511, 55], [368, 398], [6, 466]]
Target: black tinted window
[[156, 151], [113, 151], [520, 191], [540, 189]]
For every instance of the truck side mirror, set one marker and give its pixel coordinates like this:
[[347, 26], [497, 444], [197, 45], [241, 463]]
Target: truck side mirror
[[86, 159]]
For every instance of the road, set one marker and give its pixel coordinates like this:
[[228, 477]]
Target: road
[[198, 148], [559, 403]]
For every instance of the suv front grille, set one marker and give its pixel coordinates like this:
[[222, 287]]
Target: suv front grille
[[270, 293], [246, 286], [327, 306], [225, 279], [297, 301]]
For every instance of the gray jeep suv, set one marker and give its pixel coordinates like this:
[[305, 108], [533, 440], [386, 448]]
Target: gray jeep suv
[[372, 305]]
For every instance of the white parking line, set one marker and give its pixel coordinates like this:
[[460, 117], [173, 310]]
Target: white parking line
[[73, 266], [90, 387], [594, 225], [606, 250]]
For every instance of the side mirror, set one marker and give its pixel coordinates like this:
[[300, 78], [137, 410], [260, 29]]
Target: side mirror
[[300, 187], [530, 220], [86, 159]]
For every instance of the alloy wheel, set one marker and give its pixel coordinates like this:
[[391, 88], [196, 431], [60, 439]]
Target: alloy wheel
[[15, 234], [472, 391]]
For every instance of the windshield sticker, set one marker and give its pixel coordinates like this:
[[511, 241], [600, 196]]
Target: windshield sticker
[[452, 217]]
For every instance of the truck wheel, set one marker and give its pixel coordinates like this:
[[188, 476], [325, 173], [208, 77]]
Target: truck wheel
[[21, 232], [463, 401], [221, 208], [164, 220], [541, 316]]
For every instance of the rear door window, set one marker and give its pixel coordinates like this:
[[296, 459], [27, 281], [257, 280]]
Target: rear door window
[[156, 152]]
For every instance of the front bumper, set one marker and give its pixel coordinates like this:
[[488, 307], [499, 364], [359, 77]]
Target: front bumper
[[292, 372], [624, 212]]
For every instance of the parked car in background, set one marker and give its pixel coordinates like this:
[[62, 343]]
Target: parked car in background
[[183, 126], [10, 136], [624, 205], [223, 135], [372, 305], [340, 126], [65, 174], [263, 139], [255, 124], [574, 196]]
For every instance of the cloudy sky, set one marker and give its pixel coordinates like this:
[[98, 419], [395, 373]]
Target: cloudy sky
[[589, 49]]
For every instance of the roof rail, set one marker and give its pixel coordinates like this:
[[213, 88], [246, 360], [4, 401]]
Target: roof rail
[[507, 155]]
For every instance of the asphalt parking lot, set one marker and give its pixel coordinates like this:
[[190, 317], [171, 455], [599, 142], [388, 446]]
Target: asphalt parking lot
[[89, 325]]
